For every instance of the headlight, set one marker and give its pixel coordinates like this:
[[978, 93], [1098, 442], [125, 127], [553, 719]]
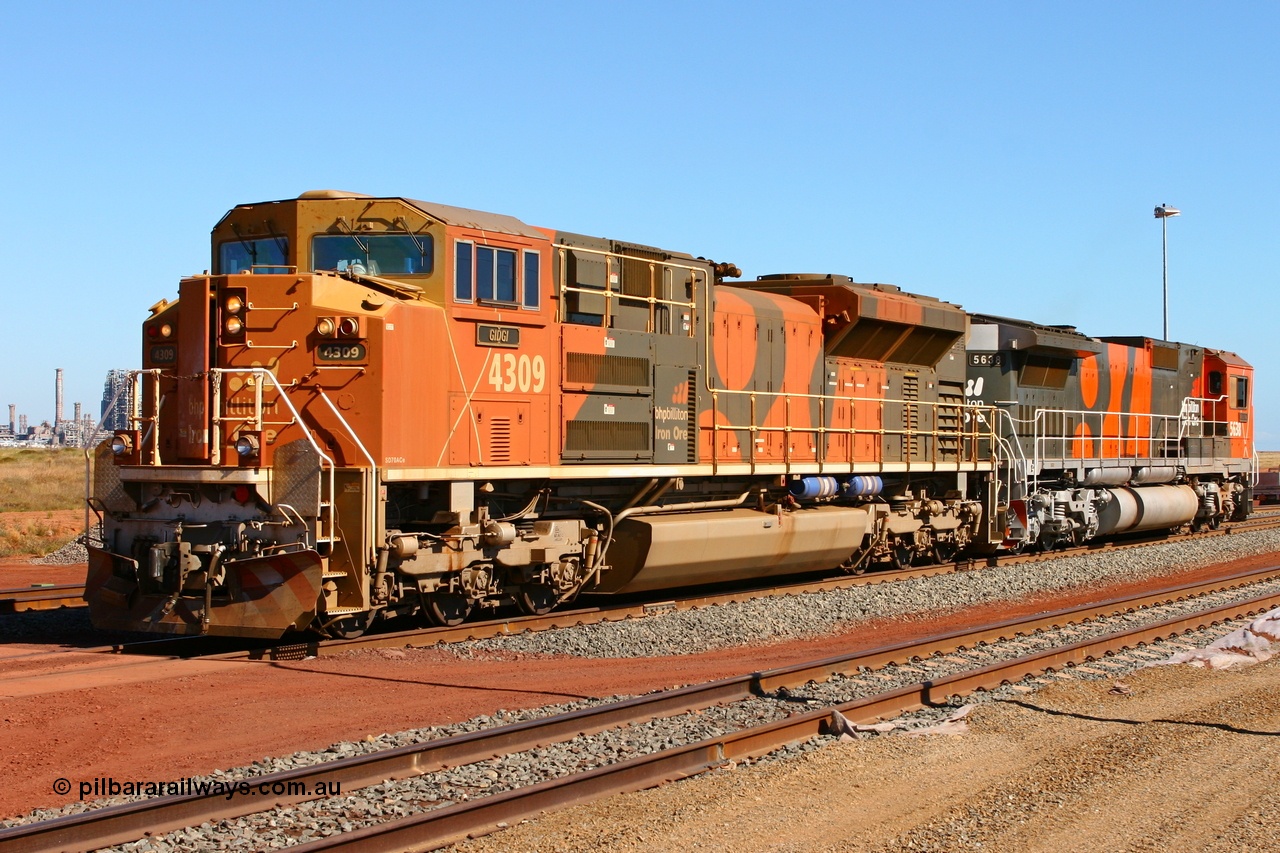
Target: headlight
[[247, 446], [121, 444], [234, 325], [234, 304]]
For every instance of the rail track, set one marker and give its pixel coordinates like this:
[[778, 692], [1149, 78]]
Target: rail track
[[431, 829], [43, 597], [607, 610], [613, 611], [50, 597]]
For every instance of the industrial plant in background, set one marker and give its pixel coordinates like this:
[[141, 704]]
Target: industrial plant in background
[[81, 430]]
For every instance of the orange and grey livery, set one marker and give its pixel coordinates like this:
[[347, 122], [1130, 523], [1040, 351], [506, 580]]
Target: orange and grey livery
[[381, 406], [1113, 434]]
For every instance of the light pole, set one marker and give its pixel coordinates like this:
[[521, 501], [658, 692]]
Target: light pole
[[1163, 212]]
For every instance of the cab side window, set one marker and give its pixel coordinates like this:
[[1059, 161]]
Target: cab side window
[[1242, 392], [492, 275], [1215, 384]]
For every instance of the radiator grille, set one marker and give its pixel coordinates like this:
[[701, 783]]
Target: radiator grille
[[590, 369], [581, 436]]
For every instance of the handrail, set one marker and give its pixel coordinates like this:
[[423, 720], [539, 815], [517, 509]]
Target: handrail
[[371, 504], [610, 294], [1129, 432], [265, 373], [1023, 473], [971, 430]]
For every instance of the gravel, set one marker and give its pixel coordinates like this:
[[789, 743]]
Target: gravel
[[691, 631], [794, 617], [68, 555], [390, 800]]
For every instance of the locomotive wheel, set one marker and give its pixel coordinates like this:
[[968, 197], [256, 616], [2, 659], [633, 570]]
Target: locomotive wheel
[[536, 599], [900, 555], [944, 552], [447, 609], [349, 627]]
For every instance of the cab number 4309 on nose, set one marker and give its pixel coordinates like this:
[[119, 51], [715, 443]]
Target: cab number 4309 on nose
[[507, 372]]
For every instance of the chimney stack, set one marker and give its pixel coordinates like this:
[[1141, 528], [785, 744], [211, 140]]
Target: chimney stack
[[77, 413], [13, 419], [57, 409]]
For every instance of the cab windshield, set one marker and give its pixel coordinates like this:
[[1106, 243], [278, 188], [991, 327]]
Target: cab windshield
[[373, 254], [269, 255]]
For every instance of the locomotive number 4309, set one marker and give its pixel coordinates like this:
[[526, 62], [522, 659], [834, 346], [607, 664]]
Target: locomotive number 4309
[[507, 372]]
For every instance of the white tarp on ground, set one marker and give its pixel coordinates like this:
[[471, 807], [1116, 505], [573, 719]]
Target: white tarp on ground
[[953, 724], [1248, 645]]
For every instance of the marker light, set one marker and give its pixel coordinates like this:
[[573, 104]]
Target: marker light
[[348, 327], [326, 327], [166, 331], [121, 444]]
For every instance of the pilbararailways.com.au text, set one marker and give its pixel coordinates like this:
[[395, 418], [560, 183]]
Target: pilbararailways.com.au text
[[110, 787]]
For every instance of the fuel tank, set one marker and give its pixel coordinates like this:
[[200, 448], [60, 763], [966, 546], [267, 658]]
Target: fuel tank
[[1150, 508], [669, 551]]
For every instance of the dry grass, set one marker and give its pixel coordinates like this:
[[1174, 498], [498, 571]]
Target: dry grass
[[1268, 460], [38, 484], [29, 537], [36, 480]]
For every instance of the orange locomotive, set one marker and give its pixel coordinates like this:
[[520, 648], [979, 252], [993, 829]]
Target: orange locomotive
[[1112, 435], [377, 406]]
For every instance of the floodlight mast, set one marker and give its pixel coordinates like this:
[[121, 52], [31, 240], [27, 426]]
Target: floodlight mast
[[1163, 212]]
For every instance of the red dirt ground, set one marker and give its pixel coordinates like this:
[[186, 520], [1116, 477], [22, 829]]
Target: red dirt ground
[[163, 721]]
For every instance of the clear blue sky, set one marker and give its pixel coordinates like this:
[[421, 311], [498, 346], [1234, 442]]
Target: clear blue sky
[[1005, 156]]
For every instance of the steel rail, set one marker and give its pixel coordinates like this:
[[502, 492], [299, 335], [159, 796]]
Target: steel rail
[[450, 824], [616, 612], [118, 824], [21, 599], [483, 630]]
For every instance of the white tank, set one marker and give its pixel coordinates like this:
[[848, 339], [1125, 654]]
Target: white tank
[[1106, 476], [1155, 474], [1150, 508]]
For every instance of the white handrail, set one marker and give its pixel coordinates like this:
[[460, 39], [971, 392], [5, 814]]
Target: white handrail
[[371, 517], [265, 373]]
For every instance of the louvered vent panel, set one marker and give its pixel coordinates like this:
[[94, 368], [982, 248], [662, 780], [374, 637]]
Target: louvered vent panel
[[606, 435], [500, 440], [590, 369], [911, 416], [693, 416], [637, 278]]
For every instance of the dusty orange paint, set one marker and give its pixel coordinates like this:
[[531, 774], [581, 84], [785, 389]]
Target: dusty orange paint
[[1117, 372], [734, 340], [1139, 404], [1083, 445], [1089, 381]]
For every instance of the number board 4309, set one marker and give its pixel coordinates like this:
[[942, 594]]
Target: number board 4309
[[340, 351]]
